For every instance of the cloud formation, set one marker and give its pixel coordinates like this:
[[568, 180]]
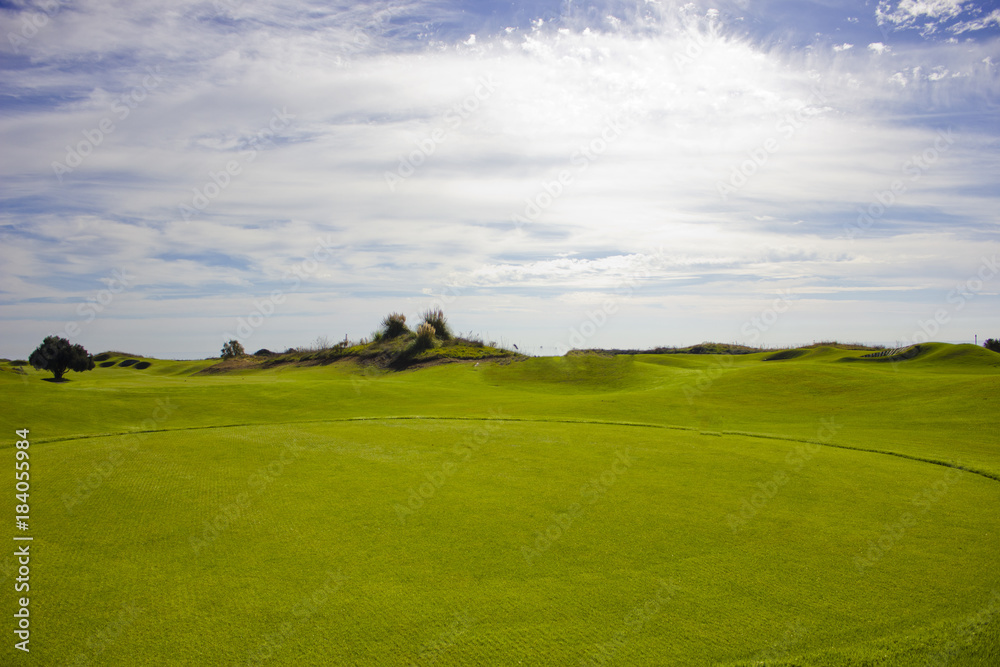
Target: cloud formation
[[213, 149]]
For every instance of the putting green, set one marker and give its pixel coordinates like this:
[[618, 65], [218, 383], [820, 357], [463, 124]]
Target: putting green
[[454, 541]]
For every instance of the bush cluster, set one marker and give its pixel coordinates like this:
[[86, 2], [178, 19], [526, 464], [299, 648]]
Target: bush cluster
[[425, 337], [436, 319], [394, 326]]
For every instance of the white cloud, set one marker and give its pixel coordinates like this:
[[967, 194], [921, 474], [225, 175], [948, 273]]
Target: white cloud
[[991, 19], [931, 16], [907, 12], [812, 136]]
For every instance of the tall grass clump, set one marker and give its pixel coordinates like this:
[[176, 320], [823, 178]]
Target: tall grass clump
[[425, 337], [394, 325], [435, 318]]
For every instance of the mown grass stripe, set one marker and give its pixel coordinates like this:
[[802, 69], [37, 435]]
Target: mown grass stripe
[[763, 436]]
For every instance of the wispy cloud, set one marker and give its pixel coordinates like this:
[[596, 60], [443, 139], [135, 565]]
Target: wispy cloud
[[742, 156]]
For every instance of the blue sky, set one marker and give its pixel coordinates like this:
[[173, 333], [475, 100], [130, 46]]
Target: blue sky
[[554, 175]]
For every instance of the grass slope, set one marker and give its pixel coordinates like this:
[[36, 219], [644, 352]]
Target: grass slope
[[398, 353], [286, 515]]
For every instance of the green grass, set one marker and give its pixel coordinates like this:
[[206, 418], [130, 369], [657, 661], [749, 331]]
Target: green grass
[[399, 352], [344, 514]]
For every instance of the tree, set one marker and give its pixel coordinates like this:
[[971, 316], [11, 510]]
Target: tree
[[233, 349], [992, 344], [57, 355]]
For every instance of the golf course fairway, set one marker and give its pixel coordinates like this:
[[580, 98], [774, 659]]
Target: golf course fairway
[[806, 508]]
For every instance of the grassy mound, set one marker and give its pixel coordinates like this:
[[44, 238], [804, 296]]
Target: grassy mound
[[13, 368], [969, 357], [571, 374], [700, 348], [400, 352], [939, 357], [111, 363]]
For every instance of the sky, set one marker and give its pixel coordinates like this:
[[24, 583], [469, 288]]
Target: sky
[[553, 175]]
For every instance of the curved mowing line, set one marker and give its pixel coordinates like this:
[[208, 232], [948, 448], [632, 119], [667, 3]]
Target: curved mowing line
[[988, 475], [763, 436]]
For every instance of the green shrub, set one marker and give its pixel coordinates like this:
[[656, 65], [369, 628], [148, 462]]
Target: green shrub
[[394, 325], [435, 317], [425, 337], [992, 344]]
